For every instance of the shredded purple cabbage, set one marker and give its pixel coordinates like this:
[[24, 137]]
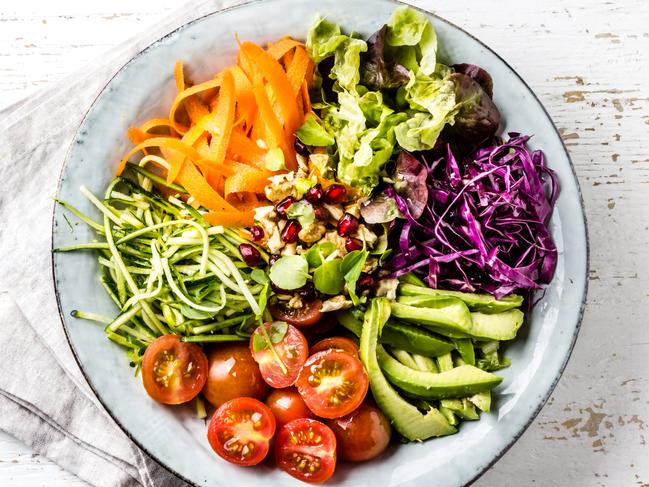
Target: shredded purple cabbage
[[484, 226]]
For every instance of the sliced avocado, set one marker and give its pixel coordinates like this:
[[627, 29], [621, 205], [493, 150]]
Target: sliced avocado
[[412, 279], [500, 326], [462, 407], [414, 339], [451, 317], [458, 382], [425, 364], [405, 417], [476, 302], [405, 358], [445, 362], [449, 415], [464, 346], [448, 316], [482, 400], [401, 335]]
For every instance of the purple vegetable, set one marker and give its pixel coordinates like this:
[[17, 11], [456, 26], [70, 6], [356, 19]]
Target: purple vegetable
[[478, 117], [377, 72], [410, 182], [477, 74], [484, 226]]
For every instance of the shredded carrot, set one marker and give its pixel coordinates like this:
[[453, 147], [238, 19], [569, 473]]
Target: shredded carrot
[[215, 140], [194, 90], [162, 142], [281, 47], [221, 125], [297, 70], [192, 180], [272, 71], [232, 218]]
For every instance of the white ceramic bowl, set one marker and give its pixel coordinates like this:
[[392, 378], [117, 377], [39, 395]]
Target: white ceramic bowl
[[143, 88]]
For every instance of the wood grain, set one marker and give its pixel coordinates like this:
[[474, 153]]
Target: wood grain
[[588, 61]]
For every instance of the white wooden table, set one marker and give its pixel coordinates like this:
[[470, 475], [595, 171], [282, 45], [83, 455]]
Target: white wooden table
[[588, 60]]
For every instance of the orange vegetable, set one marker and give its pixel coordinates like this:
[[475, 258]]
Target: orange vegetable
[[193, 181], [220, 126], [281, 47], [232, 218], [215, 140], [183, 95], [278, 81]]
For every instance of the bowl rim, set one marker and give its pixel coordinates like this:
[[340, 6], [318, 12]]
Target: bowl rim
[[397, 3]]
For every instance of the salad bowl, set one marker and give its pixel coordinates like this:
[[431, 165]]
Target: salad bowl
[[173, 436]]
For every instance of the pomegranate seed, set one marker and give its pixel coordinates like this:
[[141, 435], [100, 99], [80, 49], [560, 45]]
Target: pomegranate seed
[[300, 147], [283, 206], [257, 233], [335, 194], [364, 281], [273, 258], [250, 254], [352, 244], [290, 231], [321, 213], [347, 225], [314, 195]]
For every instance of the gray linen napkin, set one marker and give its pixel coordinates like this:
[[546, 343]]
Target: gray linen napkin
[[44, 400]]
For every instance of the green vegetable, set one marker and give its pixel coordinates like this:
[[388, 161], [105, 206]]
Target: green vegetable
[[313, 133], [405, 417], [406, 27], [462, 407], [482, 400], [302, 211], [401, 335], [274, 160], [275, 333], [465, 348], [460, 381], [328, 277], [167, 273], [448, 316], [290, 272], [498, 326], [476, 302], [351, 268], [317, 253]]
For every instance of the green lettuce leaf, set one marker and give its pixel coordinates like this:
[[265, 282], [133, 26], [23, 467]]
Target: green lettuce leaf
[[323, 39], [312, 133]]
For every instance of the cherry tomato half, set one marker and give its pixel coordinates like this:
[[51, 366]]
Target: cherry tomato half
[[308, 315], [233, 373], [280, 352], [362, 434], [336, 343], [240, 431], [287, 405], [173, 372], [306, 449], [332, 383]]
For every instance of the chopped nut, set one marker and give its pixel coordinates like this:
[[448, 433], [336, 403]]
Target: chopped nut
[[335, 211], [371, 264], [289, 249], [353, 209], [312, 232], [365, 234], [388, 288], [274, 242], [335, 303], [295, 302], [280, 187], [302, 163]]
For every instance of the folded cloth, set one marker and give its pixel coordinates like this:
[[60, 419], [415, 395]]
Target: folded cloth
[[42, 406], [44, 399]]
